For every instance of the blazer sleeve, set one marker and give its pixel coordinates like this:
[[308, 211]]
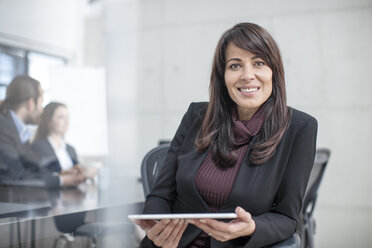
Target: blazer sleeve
[[160, 199], [11, 166], [16, 165], [280, 223], [73, 155]]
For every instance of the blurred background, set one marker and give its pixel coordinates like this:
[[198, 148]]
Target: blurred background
[[128, 69]]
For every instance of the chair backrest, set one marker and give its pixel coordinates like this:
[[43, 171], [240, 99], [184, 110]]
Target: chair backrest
[[320, 163], [150, 166]]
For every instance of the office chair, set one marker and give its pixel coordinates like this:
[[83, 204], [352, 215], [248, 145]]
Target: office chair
[[73, 225], [150, 166], [70, 226], [308, 222]]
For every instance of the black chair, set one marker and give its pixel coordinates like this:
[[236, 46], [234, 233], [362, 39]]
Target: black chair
[[154, 159], [74, 225], [308, 222], [150, 166], [67, 225], [93, 231]]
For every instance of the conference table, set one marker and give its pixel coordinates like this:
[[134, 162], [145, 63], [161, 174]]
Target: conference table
[[28, 214]]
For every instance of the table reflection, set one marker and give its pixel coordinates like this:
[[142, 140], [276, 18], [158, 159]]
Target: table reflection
[[59, 209]]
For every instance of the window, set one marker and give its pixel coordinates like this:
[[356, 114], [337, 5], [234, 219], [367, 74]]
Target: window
[[40, 66], [12, 63], [16, 61]]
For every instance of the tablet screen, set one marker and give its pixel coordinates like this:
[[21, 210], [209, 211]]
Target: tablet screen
[[183, 216]]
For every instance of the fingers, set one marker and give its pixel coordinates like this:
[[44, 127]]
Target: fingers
[[66, 172], [160, 231], [242, 226], [175, 236], [211, 224], [167, 233], [90, 172], [144, 224], [182, 227], [246, 221], [218, 230], [79, 168], [69, 180], [72, 179], [157, 228], [243, 215]]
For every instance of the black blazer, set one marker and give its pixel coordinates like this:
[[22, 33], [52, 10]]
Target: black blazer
[[272, 192], [15, 162], [45, 156]]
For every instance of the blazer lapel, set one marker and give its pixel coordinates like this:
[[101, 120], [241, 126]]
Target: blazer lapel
[[53, 156]]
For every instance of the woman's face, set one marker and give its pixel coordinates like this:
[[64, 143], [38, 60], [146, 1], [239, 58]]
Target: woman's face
[[248, 80], [60, 121]]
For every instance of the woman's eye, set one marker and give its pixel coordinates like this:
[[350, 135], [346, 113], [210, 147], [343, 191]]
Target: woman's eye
[[234, 66], [259, 63]]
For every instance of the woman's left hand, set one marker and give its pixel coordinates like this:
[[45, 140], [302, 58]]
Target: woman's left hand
[[242, 226]]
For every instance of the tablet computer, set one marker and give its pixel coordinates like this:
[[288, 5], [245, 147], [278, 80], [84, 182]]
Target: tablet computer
[[183, 216]]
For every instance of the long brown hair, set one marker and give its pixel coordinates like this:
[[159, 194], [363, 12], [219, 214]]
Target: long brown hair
[[43, 129], [19, 91], [216, 129]]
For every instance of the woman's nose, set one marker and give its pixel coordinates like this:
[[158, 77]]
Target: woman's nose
[[247, 74]]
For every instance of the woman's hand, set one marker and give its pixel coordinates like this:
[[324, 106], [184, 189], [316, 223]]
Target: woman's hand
[[165, 233], [87, 172], [144, 224], [72, 180], [77, 169], [242, 226]]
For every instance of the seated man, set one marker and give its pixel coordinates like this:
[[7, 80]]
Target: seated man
[[23, 105]]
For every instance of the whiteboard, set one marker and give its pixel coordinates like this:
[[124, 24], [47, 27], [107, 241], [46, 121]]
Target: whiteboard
[[83, 90]]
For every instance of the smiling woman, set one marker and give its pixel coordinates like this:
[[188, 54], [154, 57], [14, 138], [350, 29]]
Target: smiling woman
[[246, 58], [245, 151]]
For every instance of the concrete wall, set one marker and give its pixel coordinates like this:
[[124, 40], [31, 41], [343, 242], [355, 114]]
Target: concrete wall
[[54, 27], [160, 55]]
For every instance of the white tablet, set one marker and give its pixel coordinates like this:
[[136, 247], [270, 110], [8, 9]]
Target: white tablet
[[183, 216]]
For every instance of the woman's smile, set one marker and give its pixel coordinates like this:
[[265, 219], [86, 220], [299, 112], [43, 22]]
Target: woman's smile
[[248, 90]]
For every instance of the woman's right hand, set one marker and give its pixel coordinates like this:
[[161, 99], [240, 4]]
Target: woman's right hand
[[165, 233], [69, 179]]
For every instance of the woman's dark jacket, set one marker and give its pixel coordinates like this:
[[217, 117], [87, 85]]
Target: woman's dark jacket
[[272, 192]]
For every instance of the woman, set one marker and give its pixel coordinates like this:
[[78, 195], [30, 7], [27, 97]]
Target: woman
[[49, 147], [243, 151]]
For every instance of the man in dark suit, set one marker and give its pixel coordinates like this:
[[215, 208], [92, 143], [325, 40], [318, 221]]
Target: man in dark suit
[[23, 105]]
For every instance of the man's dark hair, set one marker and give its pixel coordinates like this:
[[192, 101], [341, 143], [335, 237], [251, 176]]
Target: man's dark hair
[[19, 91]]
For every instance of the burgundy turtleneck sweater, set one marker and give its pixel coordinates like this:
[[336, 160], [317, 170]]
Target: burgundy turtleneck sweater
[[214, 183]]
